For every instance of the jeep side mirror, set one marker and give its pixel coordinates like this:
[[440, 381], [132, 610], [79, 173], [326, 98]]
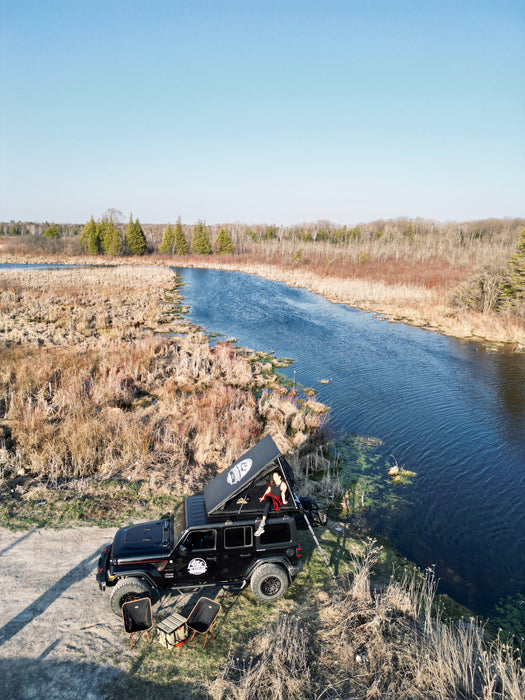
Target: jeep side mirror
[[183, 549]]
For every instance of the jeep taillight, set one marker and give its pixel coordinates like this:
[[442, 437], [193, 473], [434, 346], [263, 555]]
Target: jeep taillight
[[162, 565], [298, 552]]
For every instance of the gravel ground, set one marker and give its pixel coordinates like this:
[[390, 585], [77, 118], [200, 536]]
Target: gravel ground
[[58, 636]]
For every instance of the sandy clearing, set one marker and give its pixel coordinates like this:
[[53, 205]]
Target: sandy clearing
[[58, 637]]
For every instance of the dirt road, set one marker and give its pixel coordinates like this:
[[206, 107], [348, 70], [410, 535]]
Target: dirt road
[[58, 637]]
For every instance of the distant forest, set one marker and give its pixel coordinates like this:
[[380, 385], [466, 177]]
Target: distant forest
[[385, 232]]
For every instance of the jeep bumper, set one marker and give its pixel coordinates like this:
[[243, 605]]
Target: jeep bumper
[[294, 570], [102, 568]]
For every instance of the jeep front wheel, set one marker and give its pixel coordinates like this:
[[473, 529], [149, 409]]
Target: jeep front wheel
[[128, 589], [269, 582]]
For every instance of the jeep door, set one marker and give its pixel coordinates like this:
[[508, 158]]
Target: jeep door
[[238, 551], [195, 559]]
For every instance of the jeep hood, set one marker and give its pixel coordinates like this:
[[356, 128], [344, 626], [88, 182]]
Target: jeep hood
[[152, 539]]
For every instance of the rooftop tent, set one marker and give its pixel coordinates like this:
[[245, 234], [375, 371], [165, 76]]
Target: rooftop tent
[[240, 475]]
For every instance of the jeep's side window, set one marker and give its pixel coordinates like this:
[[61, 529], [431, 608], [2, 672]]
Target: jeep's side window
[[200, 540], [276, 534], [237, 537]]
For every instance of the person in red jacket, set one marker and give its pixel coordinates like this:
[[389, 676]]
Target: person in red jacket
[[274, 497]]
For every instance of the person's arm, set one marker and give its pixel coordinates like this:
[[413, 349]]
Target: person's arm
[[283, 493]]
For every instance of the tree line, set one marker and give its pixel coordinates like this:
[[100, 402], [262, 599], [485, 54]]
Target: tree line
[[161, 237], [104, 236]]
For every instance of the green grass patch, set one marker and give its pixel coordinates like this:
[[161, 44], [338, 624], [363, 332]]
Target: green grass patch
[[25, 503]]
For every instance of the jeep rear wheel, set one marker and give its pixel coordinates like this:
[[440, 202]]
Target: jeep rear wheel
[[128, 589], [269, 582]]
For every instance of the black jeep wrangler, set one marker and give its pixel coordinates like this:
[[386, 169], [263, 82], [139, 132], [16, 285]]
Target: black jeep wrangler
[[211, 539]]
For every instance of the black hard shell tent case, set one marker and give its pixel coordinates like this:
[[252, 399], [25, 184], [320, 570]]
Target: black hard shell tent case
[[236, 491]]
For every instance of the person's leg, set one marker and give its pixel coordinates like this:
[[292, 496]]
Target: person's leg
[[267, 505]]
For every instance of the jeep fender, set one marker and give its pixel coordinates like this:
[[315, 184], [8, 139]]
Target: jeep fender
[[282, 561], [141, 574]]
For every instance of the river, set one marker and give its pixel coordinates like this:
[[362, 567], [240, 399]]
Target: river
[[449, 410]]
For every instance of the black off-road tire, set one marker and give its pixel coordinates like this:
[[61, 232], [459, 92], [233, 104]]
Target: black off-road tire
[[269, 582], [127, 589]]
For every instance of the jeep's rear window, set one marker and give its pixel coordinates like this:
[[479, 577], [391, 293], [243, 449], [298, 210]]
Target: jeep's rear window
[[277, 533], [237, 537]]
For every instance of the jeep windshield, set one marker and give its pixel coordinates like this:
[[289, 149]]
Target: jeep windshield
[[178, 522]]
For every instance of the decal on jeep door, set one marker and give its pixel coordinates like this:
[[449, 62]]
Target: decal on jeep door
[[197, 567], [238, 471]]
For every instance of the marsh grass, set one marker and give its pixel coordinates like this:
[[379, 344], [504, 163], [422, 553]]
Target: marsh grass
[[364, 639], [89, 389]]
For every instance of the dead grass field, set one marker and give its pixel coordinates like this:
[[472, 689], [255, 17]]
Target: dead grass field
[[102, 378]]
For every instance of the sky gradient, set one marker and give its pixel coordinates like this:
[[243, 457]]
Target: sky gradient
[[261, 111]]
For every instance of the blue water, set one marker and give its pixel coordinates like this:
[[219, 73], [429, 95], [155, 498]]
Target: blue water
[[449, 410]]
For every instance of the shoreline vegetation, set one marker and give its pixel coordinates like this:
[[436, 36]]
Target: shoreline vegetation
[[113, 405]]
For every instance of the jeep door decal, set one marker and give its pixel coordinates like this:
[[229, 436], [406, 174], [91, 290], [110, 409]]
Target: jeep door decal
[[197, 567], [238, 471]]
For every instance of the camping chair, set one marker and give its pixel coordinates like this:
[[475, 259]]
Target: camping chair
[[202, 618], [137, 617]]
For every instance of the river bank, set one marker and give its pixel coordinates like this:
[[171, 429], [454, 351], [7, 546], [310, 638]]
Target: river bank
[[416, 305]]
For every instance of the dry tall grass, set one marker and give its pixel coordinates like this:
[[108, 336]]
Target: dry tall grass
[[89, 387], [372, 643]]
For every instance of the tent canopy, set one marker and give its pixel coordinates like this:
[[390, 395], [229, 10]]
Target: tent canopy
[[236, 478]]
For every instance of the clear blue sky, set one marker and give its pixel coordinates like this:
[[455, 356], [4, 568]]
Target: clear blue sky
[[262, 111]]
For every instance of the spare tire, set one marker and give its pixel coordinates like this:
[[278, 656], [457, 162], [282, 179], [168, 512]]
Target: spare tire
[[269, 582], [127, 589]]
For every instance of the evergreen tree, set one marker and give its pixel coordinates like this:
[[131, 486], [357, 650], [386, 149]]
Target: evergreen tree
[[200, 241], [89, 238], [103, 228], [224, 241], [168, 240], [135, 238], [52, 231], [109, 237], [181, 244], [94, 246], [512, 292], [87, 233], [112, 242]]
